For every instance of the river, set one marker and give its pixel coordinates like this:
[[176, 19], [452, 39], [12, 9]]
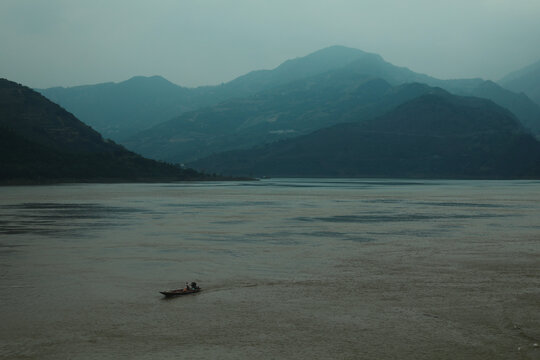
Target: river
[[290, 269]]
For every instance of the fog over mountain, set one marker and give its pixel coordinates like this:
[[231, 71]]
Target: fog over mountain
[[192, 43], [299, 88], [354, 89], [526, 80]]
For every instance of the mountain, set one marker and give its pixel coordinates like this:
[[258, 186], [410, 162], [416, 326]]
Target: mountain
[[358, 63], [352, 90], [165, 121], [373, 65], [318, 62], [42, 142], [120, 110], [436, 135], [286, 111], [526, 80], [527, 111]]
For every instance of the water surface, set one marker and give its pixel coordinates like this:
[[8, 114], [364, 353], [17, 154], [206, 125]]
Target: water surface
[[291, 268]]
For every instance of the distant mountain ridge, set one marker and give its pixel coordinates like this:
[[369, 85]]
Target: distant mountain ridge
[[287, 111], [526, 80], [119, 110], [254, 109], [357, 91], [318, 62], [436, 135], [42, 142]]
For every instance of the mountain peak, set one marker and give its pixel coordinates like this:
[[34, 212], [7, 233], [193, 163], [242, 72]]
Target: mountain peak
[[329, 58], [138, 78], [337, 50], [449, 114], [147, 80], [318, 62]]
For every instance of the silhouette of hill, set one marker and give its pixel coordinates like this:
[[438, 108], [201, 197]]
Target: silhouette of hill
[[41, 142], [436, 135]]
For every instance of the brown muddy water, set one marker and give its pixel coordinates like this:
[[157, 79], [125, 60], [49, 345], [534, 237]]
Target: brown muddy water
[[291, 269]]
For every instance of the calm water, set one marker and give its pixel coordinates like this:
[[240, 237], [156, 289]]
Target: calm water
[[290, 268]]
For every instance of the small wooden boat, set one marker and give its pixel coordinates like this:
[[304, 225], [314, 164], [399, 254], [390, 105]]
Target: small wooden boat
[[185, 291], [180, 292]]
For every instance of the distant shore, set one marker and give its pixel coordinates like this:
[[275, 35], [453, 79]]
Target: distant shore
[[37, 182]]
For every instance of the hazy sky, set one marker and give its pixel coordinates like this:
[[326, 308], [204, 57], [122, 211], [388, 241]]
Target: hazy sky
[[47, 43]]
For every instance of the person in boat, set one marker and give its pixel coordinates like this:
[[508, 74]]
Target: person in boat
[[193, 285], [187, 287]]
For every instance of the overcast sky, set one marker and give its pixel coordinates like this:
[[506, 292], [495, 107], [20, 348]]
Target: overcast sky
[[47, 43]]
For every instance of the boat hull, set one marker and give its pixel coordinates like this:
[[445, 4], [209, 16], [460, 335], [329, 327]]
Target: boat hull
[[179, 292]]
